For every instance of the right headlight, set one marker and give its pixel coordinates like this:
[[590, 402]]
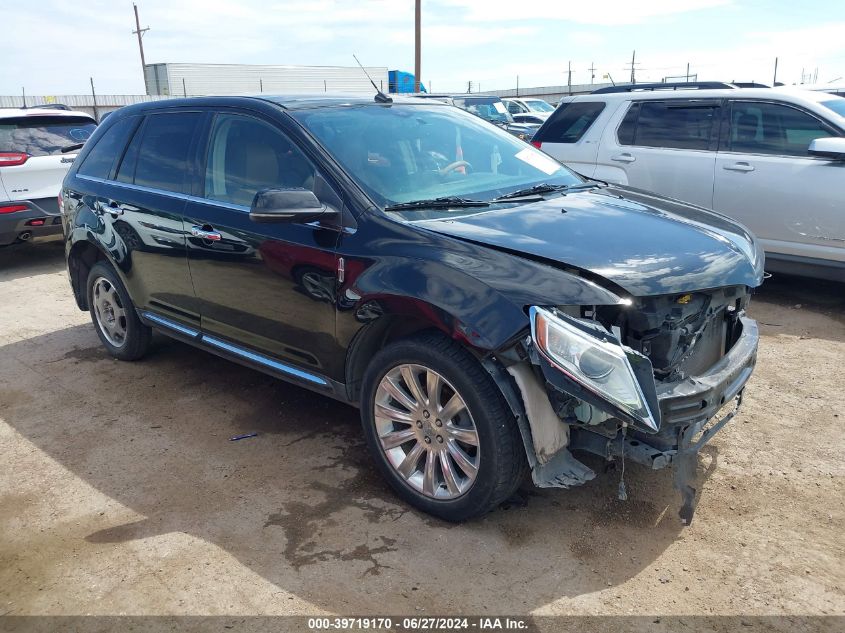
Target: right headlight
[[600, 366]]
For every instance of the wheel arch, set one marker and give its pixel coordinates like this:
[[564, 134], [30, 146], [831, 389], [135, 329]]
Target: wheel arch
[[81, 257]]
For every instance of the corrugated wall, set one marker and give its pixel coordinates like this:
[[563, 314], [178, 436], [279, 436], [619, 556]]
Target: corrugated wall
[[220, 79]]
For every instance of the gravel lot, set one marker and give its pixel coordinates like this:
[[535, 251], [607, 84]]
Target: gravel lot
[[120, 491]]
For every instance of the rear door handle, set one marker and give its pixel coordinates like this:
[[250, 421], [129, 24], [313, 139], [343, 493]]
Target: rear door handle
[[206, 234], [624, 158], [112, 208], [740, 166]]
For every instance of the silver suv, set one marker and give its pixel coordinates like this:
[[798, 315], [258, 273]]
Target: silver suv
[[774, 159]]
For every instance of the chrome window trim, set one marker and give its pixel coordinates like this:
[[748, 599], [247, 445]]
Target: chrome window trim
[[162, 192]]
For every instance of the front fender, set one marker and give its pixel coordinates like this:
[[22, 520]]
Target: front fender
[[473, 293]]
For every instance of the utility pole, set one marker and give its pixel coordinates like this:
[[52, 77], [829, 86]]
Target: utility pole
[[417, 44], [140, 33], [569, 78], [517, 85], [94, 96], [23, 95], [633, 67], [775, 80], [469, 87], [687, 72], [592, 72]]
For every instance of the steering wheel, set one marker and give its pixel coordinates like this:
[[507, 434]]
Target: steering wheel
[[453, 166]]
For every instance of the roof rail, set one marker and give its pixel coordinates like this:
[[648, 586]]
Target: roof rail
[[750, 84], [683, 85]]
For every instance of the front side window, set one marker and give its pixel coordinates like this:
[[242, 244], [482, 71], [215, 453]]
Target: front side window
[[669, 124], [99, 161], [406, 153], [488, 108], [771, 128], [538, 105], [246, 155], [162, 160], [514, 107], [570, 122], [43, 135]]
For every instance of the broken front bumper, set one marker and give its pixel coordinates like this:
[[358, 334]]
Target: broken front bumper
[[689, 411]]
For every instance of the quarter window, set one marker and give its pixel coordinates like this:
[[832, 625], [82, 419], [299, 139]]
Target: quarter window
[[246, 155], [162, 157], [100, 159], [770, 128], [570, 122], [676, 125]]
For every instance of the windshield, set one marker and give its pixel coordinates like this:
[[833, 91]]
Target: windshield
[[489, 108], [43, 135], [405, 153], [837, 105], [538, 105]]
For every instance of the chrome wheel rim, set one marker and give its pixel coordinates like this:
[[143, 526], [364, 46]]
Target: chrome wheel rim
[[426, 432], [109, 311]]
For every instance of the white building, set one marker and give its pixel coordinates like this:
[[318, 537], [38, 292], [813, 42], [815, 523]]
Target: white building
[[179, 80]]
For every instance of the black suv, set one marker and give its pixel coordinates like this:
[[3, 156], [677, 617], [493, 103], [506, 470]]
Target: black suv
[[488, 310]]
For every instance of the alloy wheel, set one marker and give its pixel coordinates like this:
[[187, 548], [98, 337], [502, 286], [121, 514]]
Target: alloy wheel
[[110, 313], [426, 432]]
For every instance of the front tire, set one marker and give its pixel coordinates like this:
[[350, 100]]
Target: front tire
[[439, 428], [114, 316]]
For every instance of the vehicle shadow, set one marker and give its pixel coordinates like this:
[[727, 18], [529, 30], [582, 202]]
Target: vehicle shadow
[[25, 260], [799, 306], [301, 504]]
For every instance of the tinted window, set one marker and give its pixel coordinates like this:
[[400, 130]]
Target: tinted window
[[43, 135], [163, 153], [570, 122], [626, 130], [488, 108], [246, 155], [100, 159], [769, 128], [673, 125]]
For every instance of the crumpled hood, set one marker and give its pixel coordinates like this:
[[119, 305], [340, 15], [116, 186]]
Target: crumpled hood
[[647, 244]]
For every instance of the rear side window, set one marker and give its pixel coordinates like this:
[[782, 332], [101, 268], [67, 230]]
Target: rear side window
[[569, 123], [162, 158], [99, 161], [43, 135], [770, 128], [669, 124]]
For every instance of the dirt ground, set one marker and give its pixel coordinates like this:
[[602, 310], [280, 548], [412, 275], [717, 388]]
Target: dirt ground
[[120, 492]]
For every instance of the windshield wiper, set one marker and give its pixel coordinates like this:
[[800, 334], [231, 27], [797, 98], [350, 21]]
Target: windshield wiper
[[447, 202], [71, 148], [537, 190]]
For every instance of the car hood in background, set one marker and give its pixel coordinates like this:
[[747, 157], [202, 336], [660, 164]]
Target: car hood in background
[[644, 243]]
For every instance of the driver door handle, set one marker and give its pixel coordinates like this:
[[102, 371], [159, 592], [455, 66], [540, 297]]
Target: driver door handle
[[740, 166], [206, 234], [624, 158]]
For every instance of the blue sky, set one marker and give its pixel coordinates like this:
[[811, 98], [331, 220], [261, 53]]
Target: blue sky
[[58, 45]]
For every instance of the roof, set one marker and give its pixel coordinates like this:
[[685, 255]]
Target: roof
[[722, 93], [303, 101], [8, 113]]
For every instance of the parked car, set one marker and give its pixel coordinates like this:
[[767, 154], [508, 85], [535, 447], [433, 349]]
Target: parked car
[[529, 106], [32, 166], [771, 158], [489, 311], [490, 109]]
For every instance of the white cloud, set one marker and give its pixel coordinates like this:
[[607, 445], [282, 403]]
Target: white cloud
[[599, 12]]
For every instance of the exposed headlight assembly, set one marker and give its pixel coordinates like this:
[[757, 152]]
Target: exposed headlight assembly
[[600, 366]]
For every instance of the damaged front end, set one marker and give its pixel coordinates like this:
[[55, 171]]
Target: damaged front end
[[649, 380]]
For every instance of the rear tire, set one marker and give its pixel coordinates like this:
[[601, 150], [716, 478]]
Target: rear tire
[[114, 316], [455, 453]]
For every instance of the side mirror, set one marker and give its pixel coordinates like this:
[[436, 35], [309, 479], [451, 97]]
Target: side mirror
[[293, 204], [832, 148]]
